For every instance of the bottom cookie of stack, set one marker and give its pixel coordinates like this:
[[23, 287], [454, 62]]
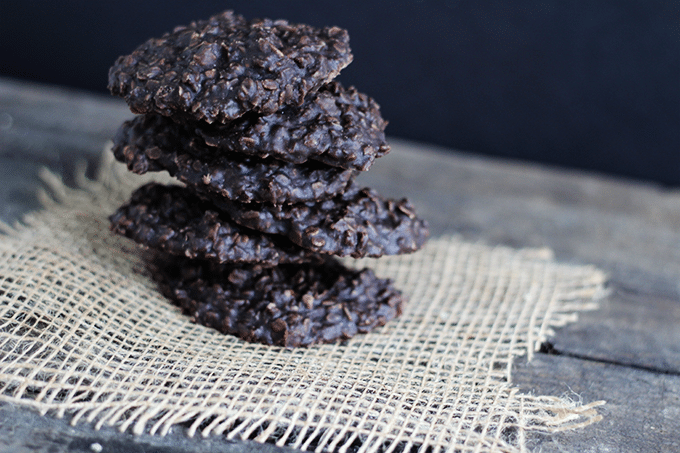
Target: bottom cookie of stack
[[288, 305]]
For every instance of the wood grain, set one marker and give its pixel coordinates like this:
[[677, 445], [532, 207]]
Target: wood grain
[[642, 413]]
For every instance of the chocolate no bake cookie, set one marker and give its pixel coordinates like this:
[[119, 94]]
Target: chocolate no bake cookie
[[154, 143], [218, 69], [176, 221], [288, 305], [246, 114], [337, 126], [356, 223]]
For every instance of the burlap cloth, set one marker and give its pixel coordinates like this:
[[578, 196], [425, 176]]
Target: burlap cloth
[[85, 334]]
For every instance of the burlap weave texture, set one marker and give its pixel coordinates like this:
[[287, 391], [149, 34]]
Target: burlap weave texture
[[85, 334]]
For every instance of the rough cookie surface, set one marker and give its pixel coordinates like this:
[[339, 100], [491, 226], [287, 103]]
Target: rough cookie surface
[[154, 143], [174, 220], [356, 223], [216, 70], [289, 305], [337, 126]]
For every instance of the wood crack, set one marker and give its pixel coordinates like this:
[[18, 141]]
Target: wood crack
[[549, 348]]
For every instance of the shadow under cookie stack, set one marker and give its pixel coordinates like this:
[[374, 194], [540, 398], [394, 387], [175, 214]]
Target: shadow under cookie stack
[[247, 116]]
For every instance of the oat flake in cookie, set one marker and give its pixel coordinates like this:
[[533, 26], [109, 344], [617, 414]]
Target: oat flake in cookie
[[176, 221], [218, 69], [154, 143], [288, 305]]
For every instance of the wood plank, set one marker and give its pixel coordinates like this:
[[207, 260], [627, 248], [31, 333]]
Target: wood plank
[[630, 229], [642, 412], [60, 109], [22, 431], [54, 126], [17, 193], [631, 329], [49, 127]]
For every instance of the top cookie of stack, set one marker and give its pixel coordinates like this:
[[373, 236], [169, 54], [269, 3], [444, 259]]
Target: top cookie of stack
[[222, 68], [248, 117]]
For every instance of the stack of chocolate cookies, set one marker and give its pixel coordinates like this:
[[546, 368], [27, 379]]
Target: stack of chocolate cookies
[[247, 116]]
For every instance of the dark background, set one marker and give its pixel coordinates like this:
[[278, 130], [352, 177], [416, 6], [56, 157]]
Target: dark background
[[586, 84]]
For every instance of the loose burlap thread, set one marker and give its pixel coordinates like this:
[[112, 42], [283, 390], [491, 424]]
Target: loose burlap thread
[[85, 334]]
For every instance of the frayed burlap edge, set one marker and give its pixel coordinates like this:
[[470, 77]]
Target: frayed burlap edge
[[84, 333]]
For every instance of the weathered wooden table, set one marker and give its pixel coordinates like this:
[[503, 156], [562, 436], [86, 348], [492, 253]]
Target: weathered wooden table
[[627, 352]]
